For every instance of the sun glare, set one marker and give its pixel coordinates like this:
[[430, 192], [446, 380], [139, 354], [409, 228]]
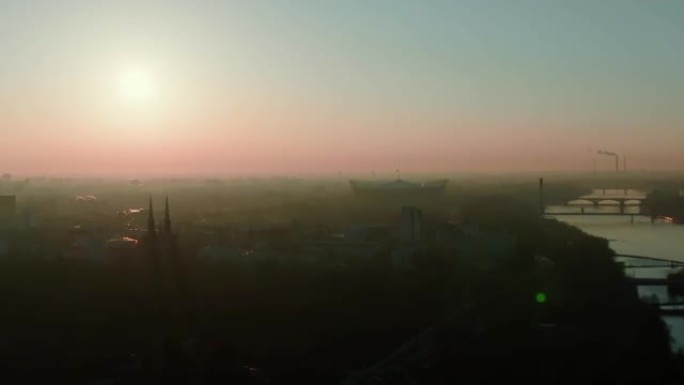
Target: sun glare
[[136, 85]]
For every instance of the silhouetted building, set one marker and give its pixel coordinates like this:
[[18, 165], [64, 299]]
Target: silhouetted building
[[404, 254], [172, 293], [27, 219], [160, 244], [412, 219], [8, 209]]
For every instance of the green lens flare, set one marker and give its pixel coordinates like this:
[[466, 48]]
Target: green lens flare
[[540, 297]]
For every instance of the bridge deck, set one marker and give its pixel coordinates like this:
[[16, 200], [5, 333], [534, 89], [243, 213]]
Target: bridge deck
[[590, 213], [671, 261], [657, 282], [612, 196]]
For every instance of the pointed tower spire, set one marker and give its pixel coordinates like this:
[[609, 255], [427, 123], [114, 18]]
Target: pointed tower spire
[[167, 217], [151, 231]]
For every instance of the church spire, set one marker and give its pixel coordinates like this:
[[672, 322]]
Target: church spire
[[151, 231], [167, 217]]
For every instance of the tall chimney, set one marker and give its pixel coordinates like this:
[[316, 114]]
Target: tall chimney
[[541, 196]]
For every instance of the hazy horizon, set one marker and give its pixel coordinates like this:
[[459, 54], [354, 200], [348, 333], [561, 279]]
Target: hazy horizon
[[293, 88]]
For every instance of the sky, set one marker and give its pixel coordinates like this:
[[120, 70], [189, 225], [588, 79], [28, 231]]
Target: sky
[[316, 87]]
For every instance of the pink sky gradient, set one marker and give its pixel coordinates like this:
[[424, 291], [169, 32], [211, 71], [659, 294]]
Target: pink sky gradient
[[275, 88]]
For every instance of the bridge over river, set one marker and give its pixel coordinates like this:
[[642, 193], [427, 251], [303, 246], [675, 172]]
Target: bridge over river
[[604, 197], [612, 196]]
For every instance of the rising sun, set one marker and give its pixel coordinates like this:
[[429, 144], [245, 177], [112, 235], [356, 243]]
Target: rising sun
[[136, 85]]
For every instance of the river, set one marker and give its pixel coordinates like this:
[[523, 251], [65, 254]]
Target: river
[[660, 239]]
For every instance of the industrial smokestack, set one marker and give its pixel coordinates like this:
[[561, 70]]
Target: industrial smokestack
[[541, 196], [610, 153], [604, 152]]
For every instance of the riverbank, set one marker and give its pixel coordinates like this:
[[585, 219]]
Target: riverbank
[[659, 240]]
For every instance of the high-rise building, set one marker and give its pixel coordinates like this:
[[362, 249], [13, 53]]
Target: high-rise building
[[412, 224], [8, 209]]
